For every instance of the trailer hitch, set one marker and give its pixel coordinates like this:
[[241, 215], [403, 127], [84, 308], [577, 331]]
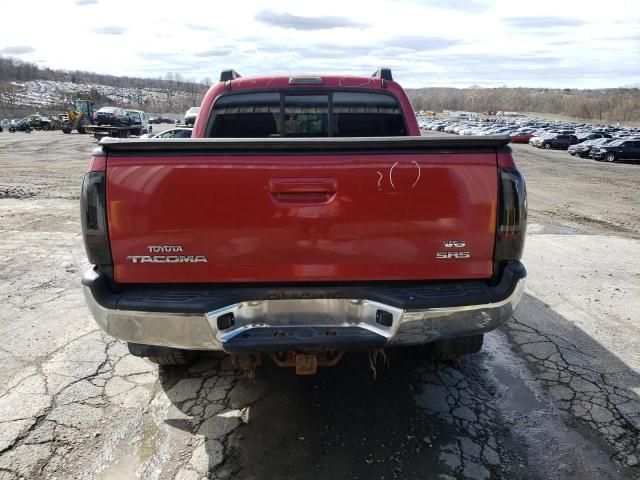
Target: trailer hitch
[[306, 363]]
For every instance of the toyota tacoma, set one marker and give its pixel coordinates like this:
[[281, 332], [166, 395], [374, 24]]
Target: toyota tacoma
[[305, 218]]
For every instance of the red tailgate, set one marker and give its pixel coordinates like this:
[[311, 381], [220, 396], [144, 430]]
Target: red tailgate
[[322, 217]]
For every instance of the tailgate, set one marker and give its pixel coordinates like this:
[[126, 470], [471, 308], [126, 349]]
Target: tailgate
[[265, 211]]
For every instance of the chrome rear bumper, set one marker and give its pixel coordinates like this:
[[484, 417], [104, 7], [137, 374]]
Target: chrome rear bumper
[[303, 324]]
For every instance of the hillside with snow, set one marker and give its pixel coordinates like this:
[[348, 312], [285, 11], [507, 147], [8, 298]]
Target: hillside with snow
[[52, 94]]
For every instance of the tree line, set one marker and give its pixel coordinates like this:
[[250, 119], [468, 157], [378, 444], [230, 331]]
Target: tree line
[[16, 70], [176, 92], [606, 105]]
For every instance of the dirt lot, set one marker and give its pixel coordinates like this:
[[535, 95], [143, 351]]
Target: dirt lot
[[555, 394]]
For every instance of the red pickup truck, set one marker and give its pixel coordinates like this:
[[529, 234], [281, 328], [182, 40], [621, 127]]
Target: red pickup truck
[[306, 217]]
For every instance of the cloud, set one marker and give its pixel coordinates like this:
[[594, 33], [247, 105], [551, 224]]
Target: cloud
[[113, 30], [466, 6], [17, 49], [542, 22], [214, 52], [496, 69], [312, 51], [199, 27], [420, 43], [626, 38], [85, 2], [287, 20]]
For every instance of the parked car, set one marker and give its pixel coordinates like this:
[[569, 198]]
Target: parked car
[[160, 119], [561, 141], [592, 136], [139, 122], [618, 150], [113, 116], [40, 122], [521, 137], [23, 125], [264, 246], [583, 149], [537, 140], [191, 115], [574, 149], [182, 132]]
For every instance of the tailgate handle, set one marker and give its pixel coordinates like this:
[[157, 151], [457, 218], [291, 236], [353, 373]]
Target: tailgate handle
[[303, 190]]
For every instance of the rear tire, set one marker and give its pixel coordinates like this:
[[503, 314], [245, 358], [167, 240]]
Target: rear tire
[[179, 357], [610, 157], [162, 355], [451, 349]]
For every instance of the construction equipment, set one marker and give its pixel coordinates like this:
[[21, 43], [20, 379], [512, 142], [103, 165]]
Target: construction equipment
[[78, 117]]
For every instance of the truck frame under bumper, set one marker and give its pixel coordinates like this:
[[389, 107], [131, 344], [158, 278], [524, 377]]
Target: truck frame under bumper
[[255, 319]]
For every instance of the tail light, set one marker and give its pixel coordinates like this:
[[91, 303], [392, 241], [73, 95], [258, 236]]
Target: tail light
[[512, 216], [93, 215]]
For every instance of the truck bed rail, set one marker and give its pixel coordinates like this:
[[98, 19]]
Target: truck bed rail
[[337, 145]]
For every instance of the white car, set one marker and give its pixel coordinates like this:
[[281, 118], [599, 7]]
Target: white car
[[142, 119], [180, 132], [191, 115]]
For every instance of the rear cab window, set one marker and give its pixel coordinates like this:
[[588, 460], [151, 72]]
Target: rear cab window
[[306, 114]]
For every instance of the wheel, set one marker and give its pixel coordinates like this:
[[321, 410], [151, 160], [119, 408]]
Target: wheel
[[177, 357], [546, 146], [450, 349], [12, 129], [610, 157], [81, 129], [45, 127], [162, 355], [573, 154], [27, 130]]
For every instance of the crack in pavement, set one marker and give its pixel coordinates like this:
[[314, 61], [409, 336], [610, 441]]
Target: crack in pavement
[[583, 391]]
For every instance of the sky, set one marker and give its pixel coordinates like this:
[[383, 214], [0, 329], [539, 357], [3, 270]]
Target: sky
[[426, 43]]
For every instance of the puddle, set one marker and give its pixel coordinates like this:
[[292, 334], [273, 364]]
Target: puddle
[[520, 397], [124, 468]]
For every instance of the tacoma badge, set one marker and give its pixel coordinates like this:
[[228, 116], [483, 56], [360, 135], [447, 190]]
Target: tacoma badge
[[166, 258]]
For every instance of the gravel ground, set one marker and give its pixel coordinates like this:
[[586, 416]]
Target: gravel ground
[[553, 395]]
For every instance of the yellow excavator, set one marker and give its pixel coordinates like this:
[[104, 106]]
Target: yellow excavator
[[77, 117]]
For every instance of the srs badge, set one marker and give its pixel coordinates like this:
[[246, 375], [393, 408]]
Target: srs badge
[[447, 255], [454, 253]]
